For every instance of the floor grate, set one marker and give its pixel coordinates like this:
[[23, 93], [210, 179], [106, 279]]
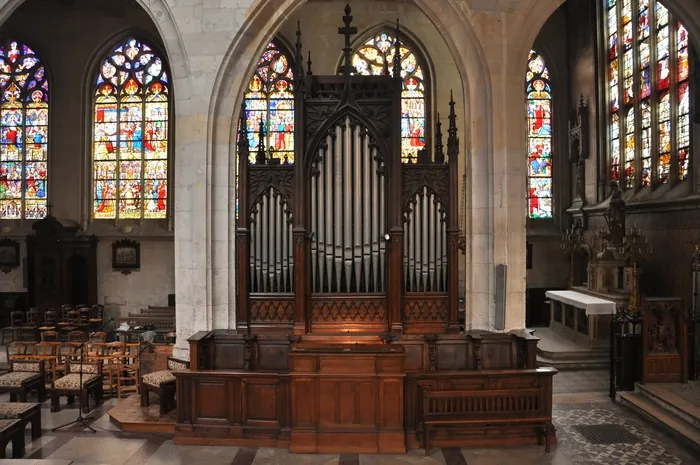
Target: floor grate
[[606, 434]]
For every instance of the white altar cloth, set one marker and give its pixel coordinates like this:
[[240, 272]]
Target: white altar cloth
[[592, 305]]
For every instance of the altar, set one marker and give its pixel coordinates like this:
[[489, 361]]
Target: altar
[[584, 318]]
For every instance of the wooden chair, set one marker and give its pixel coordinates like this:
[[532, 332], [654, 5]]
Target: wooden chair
[[98, 337], [96, 317], [20, 348], [16, 322], [12, 431], [128, 370], [63, 321], [48, 352], [26, 412], [163, 383], [49, 336], [70, 385], [24, 376], [76, 336], [50, 321], [30, 329], [70, 325], [114, 352]]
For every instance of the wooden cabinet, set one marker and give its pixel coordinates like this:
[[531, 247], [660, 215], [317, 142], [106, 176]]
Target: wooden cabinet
[[347, 398], [62, 266]]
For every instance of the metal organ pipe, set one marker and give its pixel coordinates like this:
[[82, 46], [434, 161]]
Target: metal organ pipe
[[271, 252], [425, 244], [348, 197]]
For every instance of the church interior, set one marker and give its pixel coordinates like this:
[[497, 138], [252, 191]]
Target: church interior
[[371, 232]]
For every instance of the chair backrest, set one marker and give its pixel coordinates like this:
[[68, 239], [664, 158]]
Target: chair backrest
[[176, 364], [64, 311], [47, 348], [33, 366], [97, 311], [69, 351], [50, 317], [98, 336], [49, 336], [25, 347], [33, 316], [87, 367], [115, 348], [16, 318], [76, 336]]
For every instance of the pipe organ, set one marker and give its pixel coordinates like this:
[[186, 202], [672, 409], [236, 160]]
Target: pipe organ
[[347, 297], [348, 237]]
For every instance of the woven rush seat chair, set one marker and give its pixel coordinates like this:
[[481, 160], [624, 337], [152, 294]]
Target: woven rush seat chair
[[163, 383], [27, 412], [12, 430], [70, 386], [24, 376]]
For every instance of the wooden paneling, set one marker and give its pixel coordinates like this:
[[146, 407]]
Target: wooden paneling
[[344, 394], [232, 408], [348, 313], [352, 401], [664, 342]]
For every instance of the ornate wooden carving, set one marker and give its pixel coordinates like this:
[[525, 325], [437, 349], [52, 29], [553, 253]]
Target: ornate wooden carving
[[425, 313], [664, 348], [272, 311], [352, 313], [434, 177], [279, 177]]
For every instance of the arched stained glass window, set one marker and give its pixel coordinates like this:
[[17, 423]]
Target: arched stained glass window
[[649, 67], [269, 104], [539, 137], [24, 122], [130, 139], [370, 58]]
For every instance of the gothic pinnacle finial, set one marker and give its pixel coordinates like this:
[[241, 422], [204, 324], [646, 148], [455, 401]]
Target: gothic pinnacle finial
[[298, 55], [452, 139], [348, 31], [261, 157], [308, 64], [397, 52], [243, 125], [439, 154]]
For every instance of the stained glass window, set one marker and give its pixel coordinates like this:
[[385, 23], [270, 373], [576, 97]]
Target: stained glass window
[[370, 58], [539, 137], [130, 140], [24, 122], [650, 68], [269, 103]]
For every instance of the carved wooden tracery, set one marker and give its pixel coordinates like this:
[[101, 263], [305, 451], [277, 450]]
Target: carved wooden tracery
[[348, 238]]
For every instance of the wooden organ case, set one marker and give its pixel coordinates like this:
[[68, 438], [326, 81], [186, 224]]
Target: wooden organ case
[[347, 305]]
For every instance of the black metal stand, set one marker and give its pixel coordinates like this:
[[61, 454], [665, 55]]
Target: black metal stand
[[81, 420]]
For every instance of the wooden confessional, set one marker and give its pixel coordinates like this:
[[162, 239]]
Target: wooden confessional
[[347, 263]]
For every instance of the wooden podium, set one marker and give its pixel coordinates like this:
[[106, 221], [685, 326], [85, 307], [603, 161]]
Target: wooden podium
[[347, 398]]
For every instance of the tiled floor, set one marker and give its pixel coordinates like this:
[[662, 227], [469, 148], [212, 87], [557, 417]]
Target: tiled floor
[[581, 408]]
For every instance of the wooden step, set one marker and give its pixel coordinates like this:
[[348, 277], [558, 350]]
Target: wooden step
[[644, 407]]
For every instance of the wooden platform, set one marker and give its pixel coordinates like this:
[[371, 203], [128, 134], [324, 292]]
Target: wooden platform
[[131, 417]]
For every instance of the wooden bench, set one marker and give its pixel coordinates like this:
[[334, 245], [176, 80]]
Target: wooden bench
[[505, 402], [26, 412], [12, 430]]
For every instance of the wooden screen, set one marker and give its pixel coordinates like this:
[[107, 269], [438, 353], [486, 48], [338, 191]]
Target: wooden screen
[[343, 236]]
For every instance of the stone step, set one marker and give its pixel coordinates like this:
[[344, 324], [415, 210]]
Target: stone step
[[670, 402], [685, 432], [574, 355], [589, 363]]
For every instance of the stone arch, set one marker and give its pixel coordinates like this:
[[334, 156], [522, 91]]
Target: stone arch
[[262, 20]]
